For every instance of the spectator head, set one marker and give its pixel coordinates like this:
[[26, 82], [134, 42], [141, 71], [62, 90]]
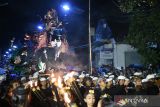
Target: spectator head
[[89, 98]]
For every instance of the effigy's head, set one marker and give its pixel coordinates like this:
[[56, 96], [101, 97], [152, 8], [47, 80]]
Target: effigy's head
[[51, 14], [51, 18]]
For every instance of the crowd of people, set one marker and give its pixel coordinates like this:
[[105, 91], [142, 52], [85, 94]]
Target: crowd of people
[[45, 73], [75, 88]]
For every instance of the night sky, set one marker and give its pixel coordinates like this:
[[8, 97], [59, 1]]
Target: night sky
[[18, 17]]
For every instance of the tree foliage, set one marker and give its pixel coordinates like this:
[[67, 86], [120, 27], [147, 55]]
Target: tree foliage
[[144, 29], [128, 6]]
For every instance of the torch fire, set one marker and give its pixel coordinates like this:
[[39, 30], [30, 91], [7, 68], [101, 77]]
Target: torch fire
[[35, 84], [66, 98], [31, 84], [60, 82], [52, 78]]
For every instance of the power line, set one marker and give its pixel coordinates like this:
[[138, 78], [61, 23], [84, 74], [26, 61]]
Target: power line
[[4, 4]]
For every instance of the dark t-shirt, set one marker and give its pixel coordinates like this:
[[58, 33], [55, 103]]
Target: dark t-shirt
[[4, 103], [45, 101]]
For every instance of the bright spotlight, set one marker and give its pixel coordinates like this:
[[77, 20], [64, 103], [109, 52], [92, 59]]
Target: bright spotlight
[[40, 27], [14, 46], [66, 7], [7, 52], [10, 50], [4, 55]]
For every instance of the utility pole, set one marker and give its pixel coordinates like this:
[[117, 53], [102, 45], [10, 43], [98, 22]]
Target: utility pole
[[89, 38]]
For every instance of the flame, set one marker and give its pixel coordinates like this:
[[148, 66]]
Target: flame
[[66, 98], [72, 73], [53, 80], [60, 82], [35, 84], [52, 75], [71, 76], [31, 84]]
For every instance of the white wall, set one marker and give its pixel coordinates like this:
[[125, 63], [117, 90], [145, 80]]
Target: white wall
[[119, 54]]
